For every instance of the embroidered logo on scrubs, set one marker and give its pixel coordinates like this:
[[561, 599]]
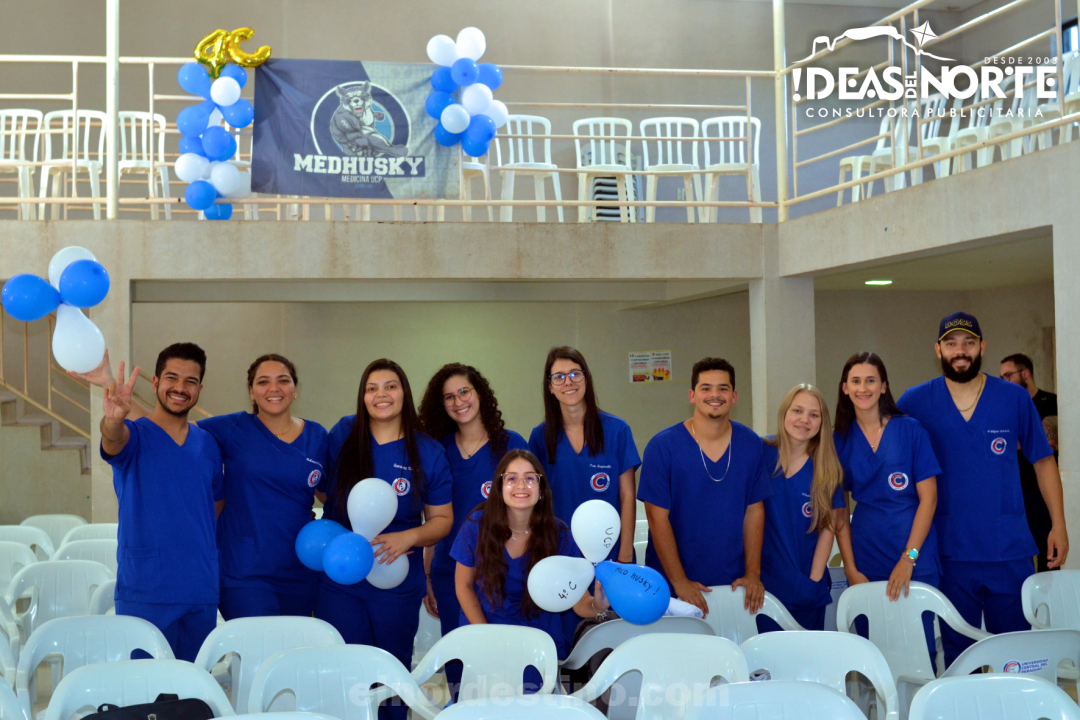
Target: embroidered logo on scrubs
[[997, 446], [401, 487], [808, 509], [313, 478], [600, 481], [898, 481], [485, 489], [1011, 667]]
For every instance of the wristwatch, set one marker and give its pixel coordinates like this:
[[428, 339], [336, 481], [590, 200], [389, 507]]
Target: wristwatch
[[911, 555]]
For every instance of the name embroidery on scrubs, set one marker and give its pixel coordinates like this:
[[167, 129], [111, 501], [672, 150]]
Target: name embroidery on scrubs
[[402, 486], [313, 478], [600, 481], [898, 481]]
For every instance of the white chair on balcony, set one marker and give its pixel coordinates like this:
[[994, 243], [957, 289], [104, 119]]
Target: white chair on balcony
[[136, 152], [733, 158], [1050, 109], [859, 165], [16, 127], [999, 126], [940, 144], [905, 140], [928, 123], [471, 169], [671, 154], [598, 157], [87, 137], [1072, 98], [978, 129], [522, 157]]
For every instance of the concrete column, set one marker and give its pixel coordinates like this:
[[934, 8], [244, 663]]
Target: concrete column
[[1067, 321], [782, 350], [113, 317]]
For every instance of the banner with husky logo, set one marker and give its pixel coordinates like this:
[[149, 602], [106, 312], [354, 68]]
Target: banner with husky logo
[[334, 128]]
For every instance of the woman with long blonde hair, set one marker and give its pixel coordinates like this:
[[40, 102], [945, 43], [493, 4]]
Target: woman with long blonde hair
[[799, 516]]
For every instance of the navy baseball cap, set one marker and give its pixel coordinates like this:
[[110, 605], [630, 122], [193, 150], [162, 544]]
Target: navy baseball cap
[[959, 321]]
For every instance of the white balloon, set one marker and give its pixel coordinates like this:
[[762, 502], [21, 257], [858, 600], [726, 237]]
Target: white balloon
[[209, 169], [225, 91], [64, 258], [476, 98], [372, 505], [226, 179], [245, 186], [455, 118], [191, 167], [388, 575], [215, 119], [557, 582], [77, 344], [595, 526], [442, 50], [497, 111], [471, 43]]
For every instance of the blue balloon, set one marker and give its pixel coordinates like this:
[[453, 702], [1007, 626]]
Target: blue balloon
[[215, 142], [191, 145], [200, 195], [481, 129], [194, 79], [312, 540], [464, 71], [239, 114], [437, 102], [29, 297], [191, 122], [348, 559], [229, 152], [219, 211], [84, 283], [443, 81], [474, 148], [490, 74], [446, 138], [236, 72], [639, 594]]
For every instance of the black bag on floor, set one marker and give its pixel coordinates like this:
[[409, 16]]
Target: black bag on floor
[[165, 707]]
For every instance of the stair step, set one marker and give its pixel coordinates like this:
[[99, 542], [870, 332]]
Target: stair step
[[70, 443]]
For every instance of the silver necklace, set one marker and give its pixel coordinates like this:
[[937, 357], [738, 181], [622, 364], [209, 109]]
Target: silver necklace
[[729, 454], [513, 536]]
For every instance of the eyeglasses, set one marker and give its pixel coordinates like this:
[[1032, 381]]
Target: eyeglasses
[[463, 395], [575, 376], [1009, 375], [511, 479]]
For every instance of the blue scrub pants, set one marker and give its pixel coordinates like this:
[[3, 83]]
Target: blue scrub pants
[[809, 618], [389, 623], [184, 626], [449, 618], [237, 602], [989, 590]]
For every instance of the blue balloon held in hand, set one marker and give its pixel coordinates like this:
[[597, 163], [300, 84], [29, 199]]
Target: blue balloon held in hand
[[348, 559], [639, 594], [200, 195], [490, 74], [28, 297], [446, 138], [215, 141], [442, 81], [464, 72], [84, 284], [239, 114], [194, 79], [219, 211], [235, 72], [312, 541], [436, 102]]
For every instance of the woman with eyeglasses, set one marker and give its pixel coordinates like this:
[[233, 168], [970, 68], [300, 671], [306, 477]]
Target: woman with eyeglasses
[[587, 454], [501, 541]]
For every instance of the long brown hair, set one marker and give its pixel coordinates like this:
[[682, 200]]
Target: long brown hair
[[269, 357], [542, 542], [553, 422], [436, 420], [828, 473], [845, 409], [356, 460]]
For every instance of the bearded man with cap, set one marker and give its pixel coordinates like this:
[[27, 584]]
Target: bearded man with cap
[[976, 423]]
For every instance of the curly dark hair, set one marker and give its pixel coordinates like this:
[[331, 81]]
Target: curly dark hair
[[436, 421]]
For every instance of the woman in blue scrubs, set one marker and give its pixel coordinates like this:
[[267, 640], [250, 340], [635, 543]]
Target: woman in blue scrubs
[[806, 482], [587, 454]]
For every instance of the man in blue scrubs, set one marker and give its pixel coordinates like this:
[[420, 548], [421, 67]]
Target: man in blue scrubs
[[168, 479], [976, 425], [704, 482]]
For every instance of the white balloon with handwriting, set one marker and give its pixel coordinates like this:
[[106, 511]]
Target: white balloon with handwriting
[[595, 526], [556, 583], [388, 575], [372, 505]]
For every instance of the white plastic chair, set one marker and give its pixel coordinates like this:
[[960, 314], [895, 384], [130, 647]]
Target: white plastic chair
[[859, 165], [135, 133], [688, 661], [1029, 652], [522, 157], [90, 159], [733, 158], [978, 130], [494, 659], [14, 556], [668, 146], [938, 144], [730, 619], [10, 643], [133, 682], [1050, 109], [16, 127], [839, 584], [607, 158], [91, 531], [102, 551], [84, 641], [287, 716], [1072, 96], [471, 169], [337, 680], [612, 634], [59, 588], [640, 546], [826, 658], [993, 697], [1051, 600], [641, 531], [1020, 108], [905, 141], [33, 537], [531, 707], [9, 704], [103, 601], [428, 633], [56, 525], [774, 701], [256, 638]]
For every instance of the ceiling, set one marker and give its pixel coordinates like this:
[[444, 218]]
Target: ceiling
[[946, 5]]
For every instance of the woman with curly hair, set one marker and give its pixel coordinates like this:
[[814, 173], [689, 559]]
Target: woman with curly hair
[[459, 410]]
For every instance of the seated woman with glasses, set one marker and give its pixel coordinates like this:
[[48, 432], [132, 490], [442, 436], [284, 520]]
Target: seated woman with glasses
[[503, 538]]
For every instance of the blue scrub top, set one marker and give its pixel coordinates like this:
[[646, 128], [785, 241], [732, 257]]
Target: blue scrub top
[[787, 553], [269, 491], [706, 516], [472, 481], [576, 478], [392, 465], [980, 511], [167, 552], [509, 613], [883, 484]]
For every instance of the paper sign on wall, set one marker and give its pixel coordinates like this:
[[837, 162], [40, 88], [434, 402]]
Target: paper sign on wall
[[661, 365], [651, 366]]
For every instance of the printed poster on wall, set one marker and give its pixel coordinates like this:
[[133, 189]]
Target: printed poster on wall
[[337, 128], [661, 365], [651, 366]]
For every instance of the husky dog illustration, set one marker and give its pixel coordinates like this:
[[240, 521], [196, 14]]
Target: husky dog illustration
[[353, 124]]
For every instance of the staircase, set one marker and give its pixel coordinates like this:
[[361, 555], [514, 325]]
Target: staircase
[[15, 410]]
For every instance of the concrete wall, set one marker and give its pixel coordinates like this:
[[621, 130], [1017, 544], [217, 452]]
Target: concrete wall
[[37, 482]]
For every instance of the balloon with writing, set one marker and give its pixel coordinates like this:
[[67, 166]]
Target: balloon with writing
[[595, 526], [639, 594], [557, 582]]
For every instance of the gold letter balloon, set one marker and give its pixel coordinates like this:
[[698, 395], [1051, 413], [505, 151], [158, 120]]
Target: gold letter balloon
[[219, 47]]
